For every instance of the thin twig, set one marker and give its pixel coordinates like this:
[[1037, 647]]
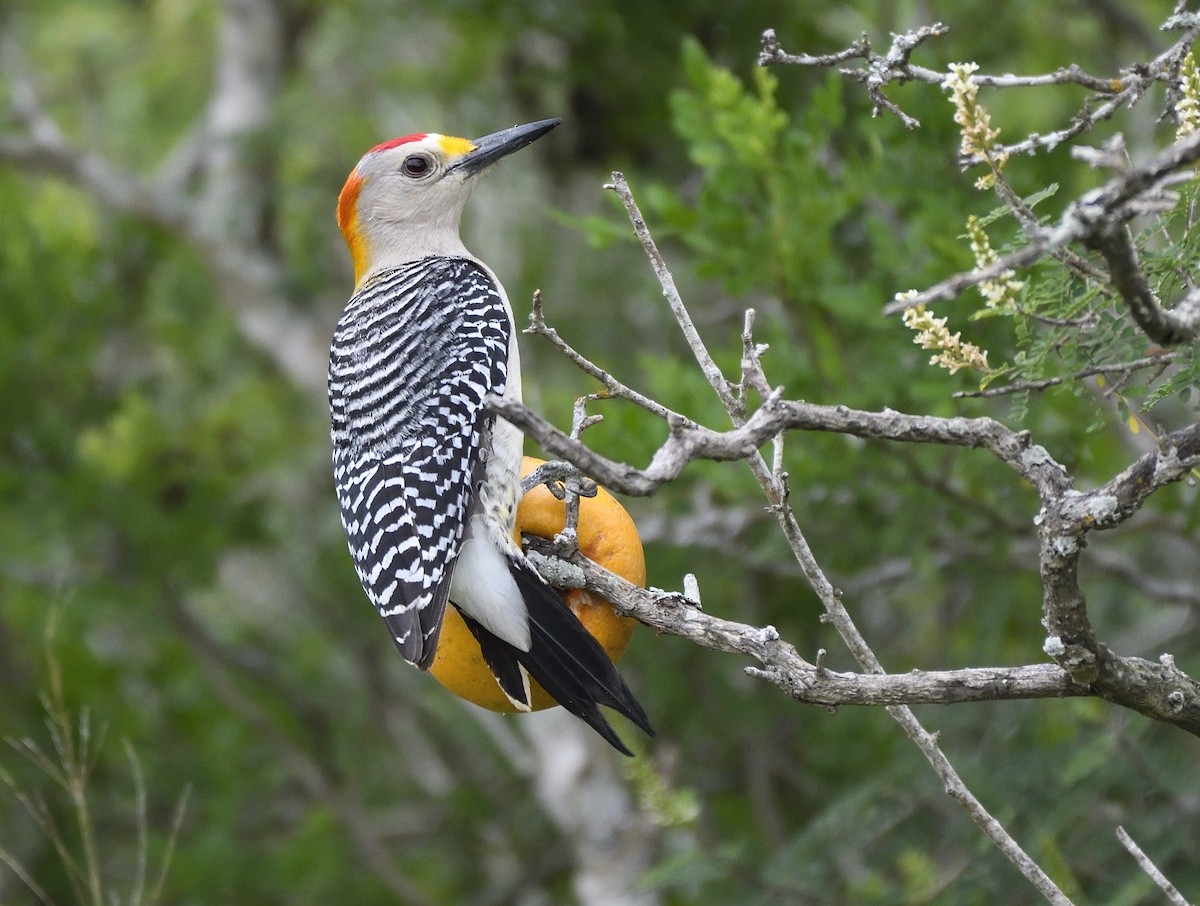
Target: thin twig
[[25, 877], [172, 841], [40, 813], [1151, 361], [77, 758], [1147, 866], [139, 813], [1132, 86], [613, 387]]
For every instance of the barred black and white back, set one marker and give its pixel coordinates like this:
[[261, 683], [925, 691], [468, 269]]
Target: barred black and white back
[[415, 354], [427, 479], [427, 484]]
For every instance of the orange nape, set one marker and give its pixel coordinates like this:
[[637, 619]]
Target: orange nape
[[607, 536], [348, 223]]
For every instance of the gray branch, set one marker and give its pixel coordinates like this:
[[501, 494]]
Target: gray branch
[[1097, 220], [1159, 691], [1163, 326], [687, 443], [220, 218], [773, 482], [1159, 360], [780, 664], [877, 71], [1174, 897]]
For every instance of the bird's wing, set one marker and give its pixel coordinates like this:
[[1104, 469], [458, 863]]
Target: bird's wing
[[415, 354]]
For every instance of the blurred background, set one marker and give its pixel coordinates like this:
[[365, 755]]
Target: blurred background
[[178, 612]]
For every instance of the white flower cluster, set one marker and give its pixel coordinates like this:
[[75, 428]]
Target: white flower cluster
[[974, 122], [951, 351], [1187, 108], [1001, 292]]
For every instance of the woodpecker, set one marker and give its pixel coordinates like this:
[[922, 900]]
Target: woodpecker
[[427, 478]]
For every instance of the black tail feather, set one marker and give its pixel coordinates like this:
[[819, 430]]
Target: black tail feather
[[568, 652], [501, 659], [564, 658]]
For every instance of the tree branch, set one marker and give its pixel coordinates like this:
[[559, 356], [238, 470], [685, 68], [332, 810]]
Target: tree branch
[[686, 444], [1155, 690], [773, 482], [43, 150], [218, 219], [612, 386], [1158, 360], [1166, 327], [878, 71], [1067, 516], [1084, 666], [1097, 213], [674, 614], [1147, 866]]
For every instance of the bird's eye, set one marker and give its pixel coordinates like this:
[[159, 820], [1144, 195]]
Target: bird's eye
[[415, 165]]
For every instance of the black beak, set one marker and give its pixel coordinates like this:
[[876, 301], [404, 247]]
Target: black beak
[[491, 148]]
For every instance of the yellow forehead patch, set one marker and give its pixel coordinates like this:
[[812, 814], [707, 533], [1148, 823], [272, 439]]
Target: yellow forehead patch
[[454, 147]]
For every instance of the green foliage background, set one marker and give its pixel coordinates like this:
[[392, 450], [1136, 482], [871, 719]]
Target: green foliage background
[[167, 504]]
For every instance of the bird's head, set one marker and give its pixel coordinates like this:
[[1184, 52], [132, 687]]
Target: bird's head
[[404, 198]]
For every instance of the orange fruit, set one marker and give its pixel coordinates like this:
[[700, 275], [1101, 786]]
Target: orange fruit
[[607, 536]]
